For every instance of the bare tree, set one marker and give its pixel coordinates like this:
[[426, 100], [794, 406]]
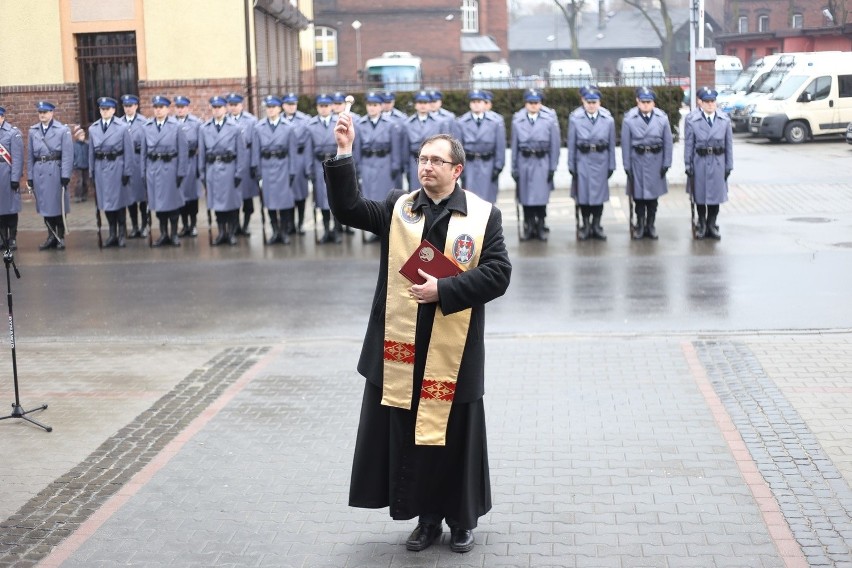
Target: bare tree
[[666, 34], [571, 10], [839, 11]]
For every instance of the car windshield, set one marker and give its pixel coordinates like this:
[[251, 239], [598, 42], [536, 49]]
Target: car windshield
[[771, 82], [788, 87], [743, 80]]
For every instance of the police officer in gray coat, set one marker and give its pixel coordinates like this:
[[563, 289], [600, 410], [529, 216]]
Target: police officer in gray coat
[[484, 141], [138, 207], [397, 117], [248, 185], [415, 129], [273, 155], [376, 151], [191, 186], [708, 154], [321, 146], [164, 163], [535, 154], [591, 160], [11, 170], [112, 165], [646, 153], [298, 120], [50, 159], [222, 155]]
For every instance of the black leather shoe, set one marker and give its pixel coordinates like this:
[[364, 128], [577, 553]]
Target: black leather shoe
[[638, 231], [700, 230], [583, 232], [423, 536], [163, 240], [651, 232], [461, 540], [713, 232]]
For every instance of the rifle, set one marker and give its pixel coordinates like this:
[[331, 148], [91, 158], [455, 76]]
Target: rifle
[[690, 189], [98, 216], [629, 187], [209, 226], [262, 212], [150, 230], [575, 192], [518, 210]]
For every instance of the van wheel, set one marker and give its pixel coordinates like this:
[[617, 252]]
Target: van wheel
[[796, 132]]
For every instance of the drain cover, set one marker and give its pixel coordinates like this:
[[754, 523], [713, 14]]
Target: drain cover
[[810, 220]]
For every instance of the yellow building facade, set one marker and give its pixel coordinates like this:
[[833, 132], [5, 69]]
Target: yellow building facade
[[71, 52]]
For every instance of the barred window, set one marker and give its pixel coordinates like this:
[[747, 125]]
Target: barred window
[[743, 25], [763, 24]]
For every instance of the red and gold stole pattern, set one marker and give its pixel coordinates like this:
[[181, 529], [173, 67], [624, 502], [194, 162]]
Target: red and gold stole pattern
[[465, 236]]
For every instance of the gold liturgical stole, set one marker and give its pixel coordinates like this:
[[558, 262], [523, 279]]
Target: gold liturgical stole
[[465, 235]]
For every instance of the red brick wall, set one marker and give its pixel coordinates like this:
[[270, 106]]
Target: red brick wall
[[198, 92], [779, 13], [20, 103]]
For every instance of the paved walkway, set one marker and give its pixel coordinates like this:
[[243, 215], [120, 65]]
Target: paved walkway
[[605, 450]]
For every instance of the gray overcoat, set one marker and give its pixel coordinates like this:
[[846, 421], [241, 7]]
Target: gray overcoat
[[486, 139], [535, 153], [191, 186], [320, 146], [591, 168], [50, 157], [246, 122], [414, 132], [13, 142], [137, 181], [221, 155], [375, 170], [106, 170], [300, 185], [709, 182], [275, 171], [164, 160], [645, 165]]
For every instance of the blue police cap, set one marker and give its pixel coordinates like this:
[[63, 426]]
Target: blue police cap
[[107, 102], [706, 94], [290, 98], [338, 97], [2, 111], [590, 93], [160, 100], [645, 94], [476, 95], [45, 105], [388, 96], [181, 100], [272, 100], [323, 99], [374, 97], [422, 97], [489, 96], [217, 101], [233, 98], [532, 96], [129, 100], [436, 95]]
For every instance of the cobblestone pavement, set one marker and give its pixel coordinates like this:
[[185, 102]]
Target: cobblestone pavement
[[605, 451]]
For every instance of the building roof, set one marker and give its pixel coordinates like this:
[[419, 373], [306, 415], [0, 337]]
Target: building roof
[[478, 44], [625, 29]]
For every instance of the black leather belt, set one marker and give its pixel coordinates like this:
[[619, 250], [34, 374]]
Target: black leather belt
[[49, 158], [137, 149], [278, 155], [165, 157], [376, 153], [526, 152], [710, 150], [485, 156], [226, 158], [111, 156], [323, 157], [586, 148], [651, 149]]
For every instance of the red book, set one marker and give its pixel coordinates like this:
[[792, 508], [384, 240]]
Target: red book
[[432, 261]]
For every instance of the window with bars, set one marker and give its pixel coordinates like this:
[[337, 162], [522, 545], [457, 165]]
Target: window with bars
[[470, 16], [107, 66], [743, 25], [325, 44], [763, 23]]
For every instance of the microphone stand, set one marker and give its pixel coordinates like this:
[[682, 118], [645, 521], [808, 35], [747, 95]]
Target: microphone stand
[[17, 409]]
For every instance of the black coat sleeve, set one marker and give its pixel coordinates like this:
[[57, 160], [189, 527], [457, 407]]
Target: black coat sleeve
[[348, 203], [490, 278]]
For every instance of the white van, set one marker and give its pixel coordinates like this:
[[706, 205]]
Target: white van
[[491, 76], [815, 99], [728, 68], [732, 100], [569, 73], [640, 72]]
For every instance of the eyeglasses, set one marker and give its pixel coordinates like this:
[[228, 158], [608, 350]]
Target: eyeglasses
[[435, 161]]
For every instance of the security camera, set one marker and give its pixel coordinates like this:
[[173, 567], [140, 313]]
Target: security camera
[[827, 14]]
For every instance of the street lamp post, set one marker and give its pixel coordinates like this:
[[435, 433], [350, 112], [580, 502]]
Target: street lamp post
[[356, 25]]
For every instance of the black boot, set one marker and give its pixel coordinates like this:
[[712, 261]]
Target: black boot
[[650, 229], [233, 226], [276, 229], [145, 215], [597, 231], [222, 236], [296, 229], [527, 228], [59, 226], [174, 239], [326, 235], [164, 232], [540, 233], [112, 239], [712, 227], [244, 229], [700, 224], [286, 223], [122, 231], [585, 229], [135, 233]]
